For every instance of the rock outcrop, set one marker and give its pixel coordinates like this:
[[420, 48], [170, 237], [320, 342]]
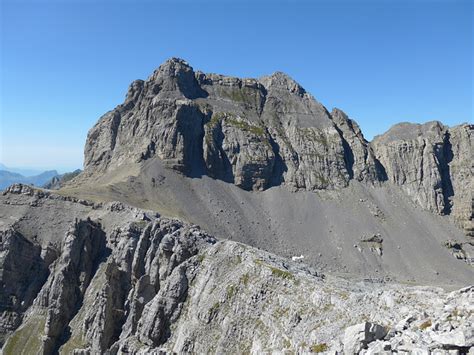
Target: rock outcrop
[[58, 181], [433, 164], [360, 158], [71, 274], [461, 173], [357, 337], [124, 280]]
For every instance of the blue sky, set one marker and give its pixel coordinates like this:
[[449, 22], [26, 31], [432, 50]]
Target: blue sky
[[65, 63]]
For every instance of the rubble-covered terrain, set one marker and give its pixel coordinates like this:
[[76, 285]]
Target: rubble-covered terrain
[[89, 278]]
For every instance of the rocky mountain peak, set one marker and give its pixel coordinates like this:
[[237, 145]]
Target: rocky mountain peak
[[134, 90], [173, 66], [174, 78], [262, 133], [282, 81], [407, 131]]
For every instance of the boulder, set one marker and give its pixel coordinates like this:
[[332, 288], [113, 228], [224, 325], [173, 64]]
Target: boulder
[[461, 337], [358, 336]]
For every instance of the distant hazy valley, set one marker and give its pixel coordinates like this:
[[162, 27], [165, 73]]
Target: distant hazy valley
[[48, 179]]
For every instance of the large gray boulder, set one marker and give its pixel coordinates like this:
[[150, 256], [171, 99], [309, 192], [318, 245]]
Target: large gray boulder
[[459, 338], [358, 336]]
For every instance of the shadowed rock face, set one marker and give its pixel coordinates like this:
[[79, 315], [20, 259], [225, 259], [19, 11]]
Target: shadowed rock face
[[267, 132]]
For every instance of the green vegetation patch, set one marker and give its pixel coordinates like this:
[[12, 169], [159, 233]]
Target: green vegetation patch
[[27, 338], [245, 126], [245, 279], [284, 274], [214, 309], [314, 135], [323, 181], [244, 95], [281, 273], [318, 348], [280, 312], [215, 119], [75, 342], [139, 224], [231, 291]]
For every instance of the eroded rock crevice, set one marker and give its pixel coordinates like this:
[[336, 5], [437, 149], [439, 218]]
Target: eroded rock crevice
[[63, 293], [23, 271]]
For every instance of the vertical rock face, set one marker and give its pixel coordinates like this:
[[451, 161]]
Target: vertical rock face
[[414, 158], [461, 172], [433, 165], [309, 147], [360, 158], [157, 117], [139, 291], [72, 272], [131, 285]]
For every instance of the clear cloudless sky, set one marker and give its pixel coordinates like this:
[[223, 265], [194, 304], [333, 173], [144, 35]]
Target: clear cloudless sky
[[65, 63]]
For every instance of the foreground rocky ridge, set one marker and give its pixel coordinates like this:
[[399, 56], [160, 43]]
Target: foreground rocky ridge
[[108, 277], [268, 132]]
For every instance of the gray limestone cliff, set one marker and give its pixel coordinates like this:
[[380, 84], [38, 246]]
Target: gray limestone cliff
[[267, 132], [433, 164], [253, 133]]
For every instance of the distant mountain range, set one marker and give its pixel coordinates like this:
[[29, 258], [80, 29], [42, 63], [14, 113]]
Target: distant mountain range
[[7, 178], [49, 179], [22, 171]]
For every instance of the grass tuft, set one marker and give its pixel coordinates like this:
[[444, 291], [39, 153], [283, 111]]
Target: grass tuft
[[425, 324], [318, 348]]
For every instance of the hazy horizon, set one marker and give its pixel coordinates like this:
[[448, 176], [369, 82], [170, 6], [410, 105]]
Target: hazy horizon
[[28, 171], [382, 62]]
